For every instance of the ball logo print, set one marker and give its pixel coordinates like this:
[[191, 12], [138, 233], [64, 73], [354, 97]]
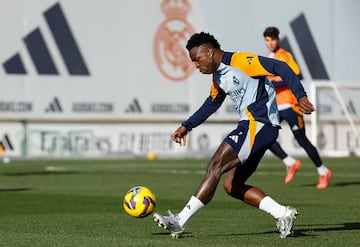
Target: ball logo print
[[139, 202], [169, 42]]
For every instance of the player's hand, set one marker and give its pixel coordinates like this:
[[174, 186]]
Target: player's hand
[[306, 106], [179, 135]]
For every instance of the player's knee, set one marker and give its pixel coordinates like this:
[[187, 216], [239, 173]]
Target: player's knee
[[227, 186], [235, 191]]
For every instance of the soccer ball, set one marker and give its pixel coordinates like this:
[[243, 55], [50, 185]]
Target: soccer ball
[[139, 202], [151, 155]]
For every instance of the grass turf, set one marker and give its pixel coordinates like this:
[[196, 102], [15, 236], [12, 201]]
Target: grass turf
[[79, 203]]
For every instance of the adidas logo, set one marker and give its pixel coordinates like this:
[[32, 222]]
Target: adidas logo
[[54, 106], [5, 144], [308, 48], [235, 138], [134, 107], [249, 59], [40, 54]]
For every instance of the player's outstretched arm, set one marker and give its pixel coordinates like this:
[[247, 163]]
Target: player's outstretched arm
[[179, 135], [306, 106]]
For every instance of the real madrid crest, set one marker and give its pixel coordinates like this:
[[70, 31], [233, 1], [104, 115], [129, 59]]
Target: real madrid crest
[[170, 54]]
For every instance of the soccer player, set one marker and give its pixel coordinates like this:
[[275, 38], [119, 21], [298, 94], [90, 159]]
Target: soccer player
[[239, 154], [290, 112]]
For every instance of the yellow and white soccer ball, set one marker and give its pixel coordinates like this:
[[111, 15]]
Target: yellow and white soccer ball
[[139, 202]]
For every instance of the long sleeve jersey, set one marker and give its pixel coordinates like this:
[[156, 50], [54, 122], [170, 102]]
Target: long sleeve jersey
[[258, 107]]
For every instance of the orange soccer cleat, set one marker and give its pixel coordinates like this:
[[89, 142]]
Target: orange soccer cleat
[[292, 170], [324, 180]]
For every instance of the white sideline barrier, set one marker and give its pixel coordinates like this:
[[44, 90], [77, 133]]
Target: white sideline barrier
[[127, 140]]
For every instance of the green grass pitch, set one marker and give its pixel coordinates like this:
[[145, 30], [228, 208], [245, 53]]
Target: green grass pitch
[[79, 203]]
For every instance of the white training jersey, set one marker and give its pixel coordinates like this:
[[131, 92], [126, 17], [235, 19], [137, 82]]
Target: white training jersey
[[254, 99]]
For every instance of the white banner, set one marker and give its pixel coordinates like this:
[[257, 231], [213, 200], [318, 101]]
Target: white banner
[[136, 140], [100, 140]]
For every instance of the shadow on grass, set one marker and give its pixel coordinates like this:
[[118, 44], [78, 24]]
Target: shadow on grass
[[347, 183], [338, 184], [14, 189], [300, 230], [183, 235], [304, 230], [39, 173]]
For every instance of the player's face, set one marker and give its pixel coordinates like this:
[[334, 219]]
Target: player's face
[[271, 43], [203, 57]]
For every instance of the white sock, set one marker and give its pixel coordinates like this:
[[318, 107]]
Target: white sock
[[322, 170], [270, 206], [289, 161], [191, 208]]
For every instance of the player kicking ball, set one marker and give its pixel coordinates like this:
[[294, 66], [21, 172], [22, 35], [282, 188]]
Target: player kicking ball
[[240, 152]]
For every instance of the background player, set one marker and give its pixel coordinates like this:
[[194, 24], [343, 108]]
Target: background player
[[290, 112]]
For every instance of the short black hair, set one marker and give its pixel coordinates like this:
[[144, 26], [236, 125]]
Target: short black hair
[[272, 32], [199, 39]]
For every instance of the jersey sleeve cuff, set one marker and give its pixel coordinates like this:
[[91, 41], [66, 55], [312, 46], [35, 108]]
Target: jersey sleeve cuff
[[187, 125]]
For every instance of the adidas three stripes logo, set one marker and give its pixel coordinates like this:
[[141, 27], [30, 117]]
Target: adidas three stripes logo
[[54, 106], [5, 144], [40, 54]]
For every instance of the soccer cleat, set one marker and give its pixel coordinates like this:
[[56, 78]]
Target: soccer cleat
[[292, 170], [286, 222], [171, 223], [324, 180]]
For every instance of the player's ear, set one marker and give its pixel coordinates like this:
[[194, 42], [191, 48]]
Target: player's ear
[[210, 52]]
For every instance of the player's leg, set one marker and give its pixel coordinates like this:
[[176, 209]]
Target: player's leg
[[325, 174], [234, 181], [234, 184], [310, 149], [295, 119], [297, 125], [277, 150], [292, 164], [223, 160], [250, 149]]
